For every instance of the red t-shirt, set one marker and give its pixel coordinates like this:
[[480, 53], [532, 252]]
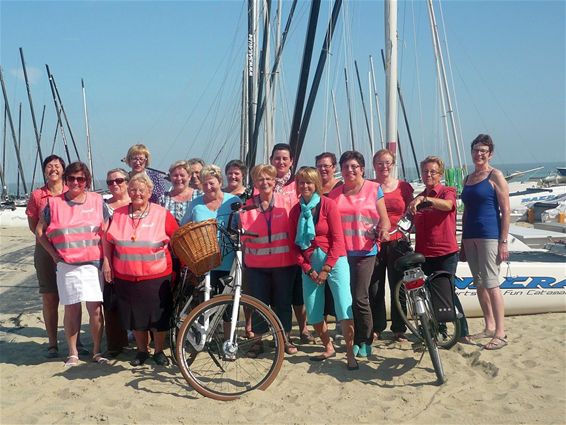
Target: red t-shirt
[[436, 230], [328, 234], [396, 203], [38, 201]]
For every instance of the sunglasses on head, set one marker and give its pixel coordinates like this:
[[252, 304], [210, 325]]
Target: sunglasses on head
[[119, 180], [79, 179]]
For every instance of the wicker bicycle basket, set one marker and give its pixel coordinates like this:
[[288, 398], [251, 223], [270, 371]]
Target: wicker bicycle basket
[[196, 245]]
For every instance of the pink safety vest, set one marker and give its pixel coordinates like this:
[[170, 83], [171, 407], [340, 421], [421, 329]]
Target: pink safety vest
[[144, 253], [359, 216], [75, 229], [272, 248]]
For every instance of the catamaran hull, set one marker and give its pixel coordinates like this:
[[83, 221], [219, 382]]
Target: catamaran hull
[[527, 288]]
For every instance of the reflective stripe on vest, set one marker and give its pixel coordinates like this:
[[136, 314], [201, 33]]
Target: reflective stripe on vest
[[74, 229], [358, 214], [146, 255], [264, 251], [274, 238]]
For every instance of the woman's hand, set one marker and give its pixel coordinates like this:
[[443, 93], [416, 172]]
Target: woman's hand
[[502, 252], [383, 235], [322, 276], [313, 276], [415, 203], [107, 271], [56, 257]]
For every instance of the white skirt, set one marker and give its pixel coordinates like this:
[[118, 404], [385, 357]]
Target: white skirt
[[78, 283]]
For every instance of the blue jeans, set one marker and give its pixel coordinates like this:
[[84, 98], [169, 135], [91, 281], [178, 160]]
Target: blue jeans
[[448, 263]]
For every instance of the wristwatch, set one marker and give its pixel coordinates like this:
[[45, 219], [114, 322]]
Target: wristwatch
[[503, 241]]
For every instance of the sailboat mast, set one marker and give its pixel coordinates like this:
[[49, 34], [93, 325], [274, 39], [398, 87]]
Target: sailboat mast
[[349, 109], [391, 75], [250, 150], [374, 85], [437, 54], [448, 110], [364, 107], [19, 146], [37, 136], [4, 186], [37, 152], [336, 122], [59, 121], [87, 130], [13, 132]]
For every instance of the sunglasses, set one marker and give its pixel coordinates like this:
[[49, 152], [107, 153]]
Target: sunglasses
[[119, 180], [79, 179]]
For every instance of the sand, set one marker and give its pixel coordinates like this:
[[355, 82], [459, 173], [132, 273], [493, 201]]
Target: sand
[[524, 382]]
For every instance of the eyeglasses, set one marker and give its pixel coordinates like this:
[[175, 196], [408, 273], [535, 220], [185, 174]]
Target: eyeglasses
[[119, 180], [138, 159], [430, 172], [384, 163], [79, 179], [325, 166], [481, 150], [351, 167]]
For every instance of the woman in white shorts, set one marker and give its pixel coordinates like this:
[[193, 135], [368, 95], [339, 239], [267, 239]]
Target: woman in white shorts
[[70, 230], [484, 237]]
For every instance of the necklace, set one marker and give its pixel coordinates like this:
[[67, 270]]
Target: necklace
[[140, 217]]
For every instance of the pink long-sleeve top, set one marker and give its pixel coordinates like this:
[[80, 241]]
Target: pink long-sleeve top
[[329, 236]]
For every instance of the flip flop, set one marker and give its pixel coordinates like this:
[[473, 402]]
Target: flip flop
[[97, 358], [290, 348], [356, 366], [307, 338], [400, 337], [496, 343], [483, 334], [72, 361], [255, 350]]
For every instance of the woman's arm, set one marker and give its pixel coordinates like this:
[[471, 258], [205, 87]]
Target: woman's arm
[[502, 193], [42, 239], [293, 221], [107, 250], [384, 223]]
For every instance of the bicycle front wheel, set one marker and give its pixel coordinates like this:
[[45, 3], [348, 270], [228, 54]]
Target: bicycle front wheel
[[219, 371], [446, 334], [427, 325]]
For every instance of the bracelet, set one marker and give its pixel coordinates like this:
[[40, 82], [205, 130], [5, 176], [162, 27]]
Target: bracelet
[[310, 272], [503, 241]]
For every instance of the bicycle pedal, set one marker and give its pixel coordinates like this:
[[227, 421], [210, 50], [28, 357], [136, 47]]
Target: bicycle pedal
[[226, 280], [418, 347]]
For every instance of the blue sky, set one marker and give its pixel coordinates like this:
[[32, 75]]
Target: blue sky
[[168, 74]]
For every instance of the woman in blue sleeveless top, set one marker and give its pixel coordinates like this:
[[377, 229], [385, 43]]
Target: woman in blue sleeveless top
[[484, 238]]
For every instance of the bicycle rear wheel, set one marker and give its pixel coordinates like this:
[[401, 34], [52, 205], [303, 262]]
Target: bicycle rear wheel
[[205, 362], [427, 325], [447, 334]]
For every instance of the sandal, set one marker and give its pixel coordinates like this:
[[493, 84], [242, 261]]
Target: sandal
[[97, 358], [52, 352], [400, 337], [72, 361], [496, 343], [307, 338], [255, 350], [290, 348], [483, 334], [352, 366]]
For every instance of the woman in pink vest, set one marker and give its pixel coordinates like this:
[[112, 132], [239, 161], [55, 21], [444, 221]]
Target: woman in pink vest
[[364, 219], [70, 230], [138, 260], [268, 257], [398, 194], [316, 229]]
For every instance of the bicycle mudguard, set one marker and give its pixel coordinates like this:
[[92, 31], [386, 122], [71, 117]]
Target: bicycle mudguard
[[442, 296]]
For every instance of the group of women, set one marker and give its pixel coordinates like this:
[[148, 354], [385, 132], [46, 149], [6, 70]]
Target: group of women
[[323, 246]]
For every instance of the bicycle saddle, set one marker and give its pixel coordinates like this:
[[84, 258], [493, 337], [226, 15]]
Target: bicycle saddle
[[409, 261]]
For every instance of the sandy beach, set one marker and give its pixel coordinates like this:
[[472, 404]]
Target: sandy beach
[[524, 382]]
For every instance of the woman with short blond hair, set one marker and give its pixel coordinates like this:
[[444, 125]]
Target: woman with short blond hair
[[178, 199]]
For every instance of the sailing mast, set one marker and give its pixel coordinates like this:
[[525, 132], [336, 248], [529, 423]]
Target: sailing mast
[[374, 85], [364, 107], [391, 75], [37, 135], [13, 132], [87, 129], [349, 109]]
